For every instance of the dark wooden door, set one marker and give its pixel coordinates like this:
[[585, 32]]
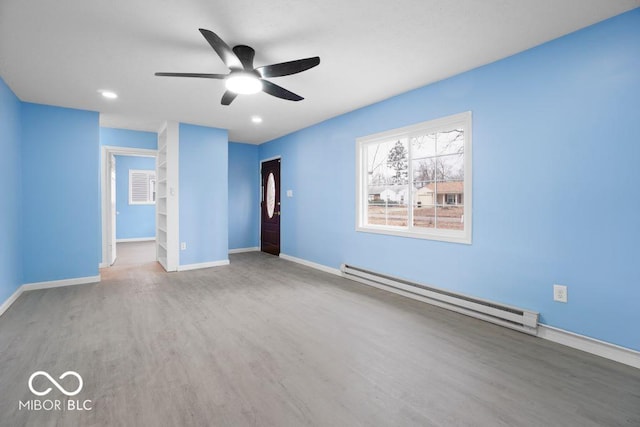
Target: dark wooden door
[[270, 208]]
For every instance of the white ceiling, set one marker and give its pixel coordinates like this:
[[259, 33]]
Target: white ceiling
[[62, 52]]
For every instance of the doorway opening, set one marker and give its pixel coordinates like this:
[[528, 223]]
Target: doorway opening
[[128, 205]]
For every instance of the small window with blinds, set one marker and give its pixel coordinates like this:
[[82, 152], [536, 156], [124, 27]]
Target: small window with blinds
[[142, 187]]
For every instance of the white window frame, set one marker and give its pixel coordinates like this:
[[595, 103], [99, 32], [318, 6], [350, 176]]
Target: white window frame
[[151, 179], [445, 123]]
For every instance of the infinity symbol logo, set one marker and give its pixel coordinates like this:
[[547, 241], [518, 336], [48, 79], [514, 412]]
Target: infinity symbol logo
[[55, 383]]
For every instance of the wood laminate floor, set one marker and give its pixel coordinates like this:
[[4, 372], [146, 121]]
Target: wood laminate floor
[[135, 253], [266, 342]]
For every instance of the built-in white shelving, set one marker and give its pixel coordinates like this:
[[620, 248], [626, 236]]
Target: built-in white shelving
[[167, 197]]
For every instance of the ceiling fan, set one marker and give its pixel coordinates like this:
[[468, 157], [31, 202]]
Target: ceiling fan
[[244, 78]]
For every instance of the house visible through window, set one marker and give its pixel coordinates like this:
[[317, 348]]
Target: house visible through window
[[452, 199], [142, 187], [416, 181]]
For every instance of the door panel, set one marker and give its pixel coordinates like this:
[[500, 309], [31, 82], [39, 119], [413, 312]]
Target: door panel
[[112, 208], [270, 208]]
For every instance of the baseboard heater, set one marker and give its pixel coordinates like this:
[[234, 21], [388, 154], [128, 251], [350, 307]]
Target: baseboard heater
[[511, 317]]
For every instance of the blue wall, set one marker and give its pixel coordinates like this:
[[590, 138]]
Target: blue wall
[[555, 176], [133, 221], [60, 193], [203, 193], [128, 138], [10, 186], [244, 196]]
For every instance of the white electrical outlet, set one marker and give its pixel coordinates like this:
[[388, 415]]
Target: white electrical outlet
[[183, 246], [560, 293]]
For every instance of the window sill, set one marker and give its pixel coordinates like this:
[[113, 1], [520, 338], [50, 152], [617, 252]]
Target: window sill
[[436, 235]]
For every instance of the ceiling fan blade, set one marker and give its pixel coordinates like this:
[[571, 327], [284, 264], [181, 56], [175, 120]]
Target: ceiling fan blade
[[279, 92], [245, 54], [204, 76], [222, 49], [228, 97], [287, 68]]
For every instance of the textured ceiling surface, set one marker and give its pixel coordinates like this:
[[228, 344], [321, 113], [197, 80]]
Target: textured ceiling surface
[[63, 52]]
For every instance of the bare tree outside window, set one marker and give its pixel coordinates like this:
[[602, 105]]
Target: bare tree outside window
[[388, 178], [399, 162]]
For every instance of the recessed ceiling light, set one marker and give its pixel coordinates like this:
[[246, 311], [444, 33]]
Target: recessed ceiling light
[[108, 94], [256, 119], [243, 83]]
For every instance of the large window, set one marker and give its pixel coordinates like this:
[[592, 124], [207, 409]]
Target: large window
[[416, 181], [142, 187]]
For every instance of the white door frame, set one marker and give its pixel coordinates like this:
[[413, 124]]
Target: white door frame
[[105, 189], [111, 241]]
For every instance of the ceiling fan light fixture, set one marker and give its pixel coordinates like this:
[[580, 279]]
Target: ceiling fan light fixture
[[244, 78], [243, 83]]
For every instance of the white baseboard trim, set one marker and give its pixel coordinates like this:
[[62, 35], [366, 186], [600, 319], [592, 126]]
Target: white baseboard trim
[[312, 264], [594, 346], [12, 298], [45, 285], [590, 345], [188, 267], [136, 239], [241, 250], [59, 283]]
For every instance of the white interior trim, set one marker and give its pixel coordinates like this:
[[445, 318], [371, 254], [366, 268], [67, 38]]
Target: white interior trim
[[268, 159], [105, 153], [198, 266], [45, 285], [361, 195], [241, 250], [59, 283], [312, 264], [590, 345], [12, 298], [136, 239]]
